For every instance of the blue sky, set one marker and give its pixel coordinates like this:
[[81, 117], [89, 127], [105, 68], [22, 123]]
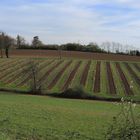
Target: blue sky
[[61, 21]]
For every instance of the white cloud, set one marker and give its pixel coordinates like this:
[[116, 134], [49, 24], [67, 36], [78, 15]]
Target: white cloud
[[59, 21]]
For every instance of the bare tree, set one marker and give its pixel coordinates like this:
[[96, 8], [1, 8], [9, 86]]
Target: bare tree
[[8, 42], [32, 71], [60, 52], [5, 43], [20, 41], [1, 43], [106, 46], [115, 47]]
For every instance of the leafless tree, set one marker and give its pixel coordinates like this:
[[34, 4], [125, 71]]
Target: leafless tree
[[20, 41], [1, 43], [60, 52], [32, 70], [5, 43], [8, 42]]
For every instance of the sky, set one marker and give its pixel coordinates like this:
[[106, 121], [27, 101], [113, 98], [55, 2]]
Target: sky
[[79, 21]]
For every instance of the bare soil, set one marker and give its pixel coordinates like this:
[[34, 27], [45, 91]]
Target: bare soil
[[73, 54], [128, 90], [112, 88], [97, 77]]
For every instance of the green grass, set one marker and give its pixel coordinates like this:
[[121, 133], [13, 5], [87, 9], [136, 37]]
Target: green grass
[[77, 77], [52, 75], [64, 77], [90, 78], [117, 80], [26, 116], [136, 87], [13, 72]]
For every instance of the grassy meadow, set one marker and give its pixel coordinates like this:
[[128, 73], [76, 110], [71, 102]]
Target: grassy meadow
[[35, 117]]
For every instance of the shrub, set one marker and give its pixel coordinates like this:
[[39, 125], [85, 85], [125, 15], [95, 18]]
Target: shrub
[[125, 126], [75, 93]]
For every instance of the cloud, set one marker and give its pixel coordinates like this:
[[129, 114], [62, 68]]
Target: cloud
[[59, 21]]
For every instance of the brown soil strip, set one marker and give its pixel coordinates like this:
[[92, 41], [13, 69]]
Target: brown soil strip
[[20, 73], [112, 88], [85, 74], [97, 78], [54, 81], [132, 72], [127, 88], [73, 54], [29, 77], [8, 71], [8, 65], [12, 71], [137, 67], [71, 76], [49, 71], [4, 63]]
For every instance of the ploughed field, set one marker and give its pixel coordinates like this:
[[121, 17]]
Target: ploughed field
[[72, 54], [97, 77]]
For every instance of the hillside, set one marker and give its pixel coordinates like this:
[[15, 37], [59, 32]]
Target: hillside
[[98, 78]]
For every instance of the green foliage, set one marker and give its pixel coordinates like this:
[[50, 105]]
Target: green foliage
[[26, 117], [126, 125], [72, 46], [75, 93], [68, 47], [36, 42]]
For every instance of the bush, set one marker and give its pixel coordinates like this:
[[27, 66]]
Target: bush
[[125, 126], [72, 47], [75, 93]]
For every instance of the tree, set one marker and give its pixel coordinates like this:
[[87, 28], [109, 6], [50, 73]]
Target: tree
[[8, 42], [36, 42], [60, 54], [32, 70], [1, 43], [94, 47], [20, 41], [5, 43], [113, 47], [72, 46]]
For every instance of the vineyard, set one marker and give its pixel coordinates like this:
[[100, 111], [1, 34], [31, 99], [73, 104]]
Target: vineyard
[[96, 77]]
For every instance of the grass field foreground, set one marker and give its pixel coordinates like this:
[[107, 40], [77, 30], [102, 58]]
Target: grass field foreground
[[27, 116]]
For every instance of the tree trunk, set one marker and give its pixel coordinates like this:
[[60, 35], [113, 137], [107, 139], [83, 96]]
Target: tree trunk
[[1, 53], [7, 52], [34, 81]]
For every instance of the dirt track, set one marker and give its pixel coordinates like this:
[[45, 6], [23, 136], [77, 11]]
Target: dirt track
[[97, 77], [73, 54], [71, 76], [127, 87], [112, 88], [85, 74], [58, 76]]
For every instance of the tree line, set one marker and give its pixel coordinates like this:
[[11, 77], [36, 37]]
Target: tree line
[[19, 42], [105, 47]]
